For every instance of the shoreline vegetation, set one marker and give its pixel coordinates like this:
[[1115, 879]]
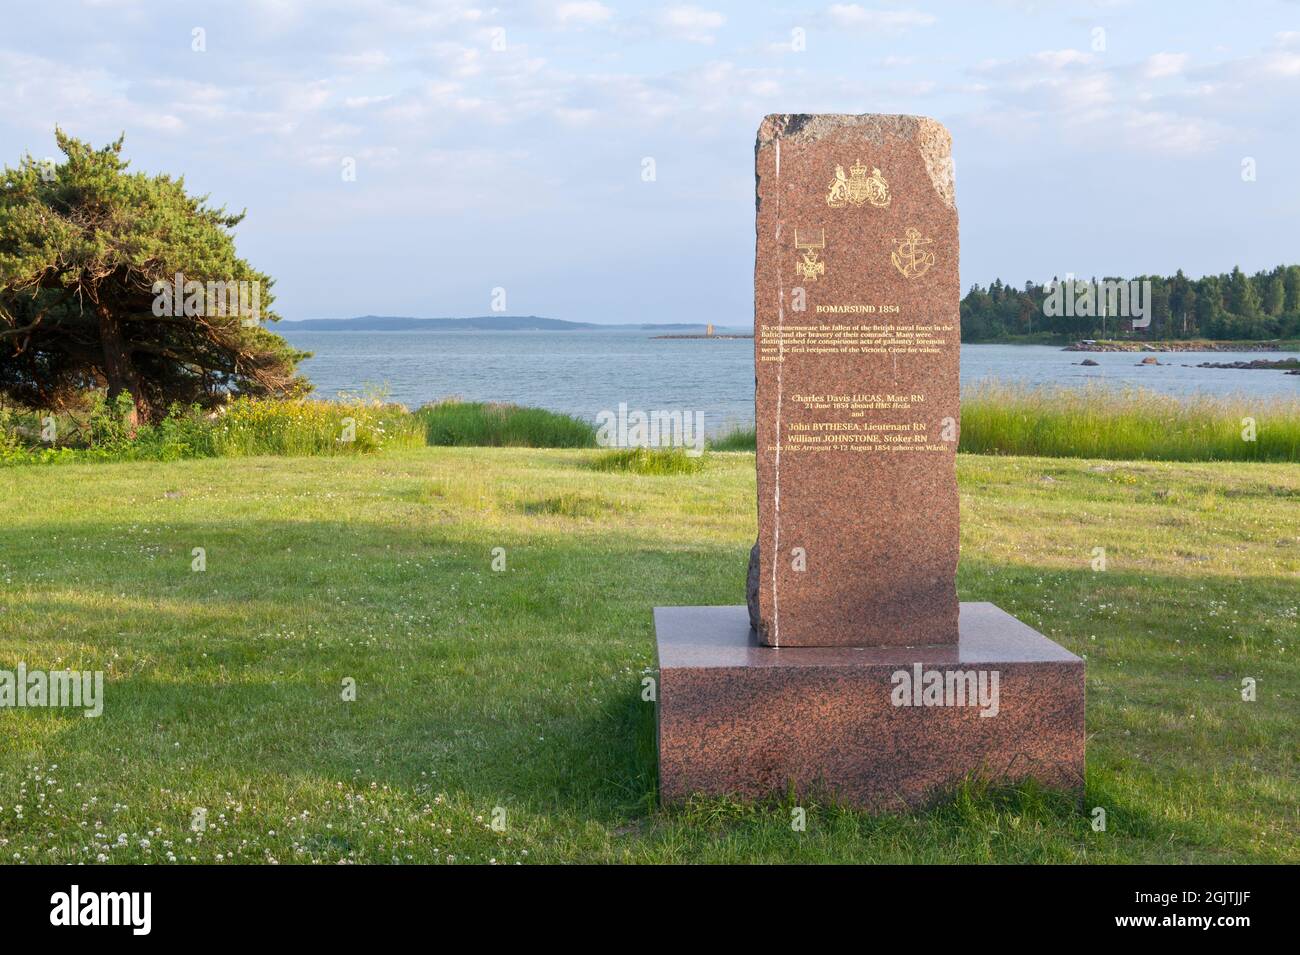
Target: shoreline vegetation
[[995, 420]]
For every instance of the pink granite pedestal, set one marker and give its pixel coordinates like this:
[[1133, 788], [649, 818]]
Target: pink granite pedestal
[[737, 718]]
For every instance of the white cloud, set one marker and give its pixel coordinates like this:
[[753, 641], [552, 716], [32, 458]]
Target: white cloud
[[1161, 65], [1059, 59], [1168, 132], [581, 13], [361, 102], [274, 16], [305, 97], [1252, 81], [457, 59], [1281, 64], [1086, 101], [431, 102], [855, 16], [911, 88], [692, 23], [575, 117], [365, 60], [42, 93]]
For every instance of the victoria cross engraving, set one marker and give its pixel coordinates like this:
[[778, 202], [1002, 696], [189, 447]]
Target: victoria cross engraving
[[809, 266]]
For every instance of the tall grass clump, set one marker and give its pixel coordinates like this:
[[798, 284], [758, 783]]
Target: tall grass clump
[[493, 424], [1127, 425], [241, 428], [737, 439], [651, 461], [247, 427]]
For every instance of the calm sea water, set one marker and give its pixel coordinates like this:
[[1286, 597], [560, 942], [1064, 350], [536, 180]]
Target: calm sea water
[[584, 372]]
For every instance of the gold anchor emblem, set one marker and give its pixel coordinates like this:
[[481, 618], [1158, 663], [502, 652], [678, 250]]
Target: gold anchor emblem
[[809, 266], [857, 187], [909, 258]]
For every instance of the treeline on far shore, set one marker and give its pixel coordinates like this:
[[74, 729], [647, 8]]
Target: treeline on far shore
[[996, 419], [1233, 306]]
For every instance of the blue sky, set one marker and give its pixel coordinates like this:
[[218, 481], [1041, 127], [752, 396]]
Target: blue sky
[[503, 146]]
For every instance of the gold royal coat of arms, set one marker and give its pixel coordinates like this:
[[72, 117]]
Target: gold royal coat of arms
[[857, 187]]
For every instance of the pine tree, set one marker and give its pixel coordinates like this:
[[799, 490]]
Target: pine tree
[[1243, 300], [87, 252], [1275, 295]]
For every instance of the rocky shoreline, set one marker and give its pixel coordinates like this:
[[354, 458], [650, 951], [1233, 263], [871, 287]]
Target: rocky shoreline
[[1192, 345], [1290, 365]]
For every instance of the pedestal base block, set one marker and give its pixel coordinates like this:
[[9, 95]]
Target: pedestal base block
[[874, 727]]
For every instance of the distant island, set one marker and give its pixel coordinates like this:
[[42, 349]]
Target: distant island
[[483, 323]]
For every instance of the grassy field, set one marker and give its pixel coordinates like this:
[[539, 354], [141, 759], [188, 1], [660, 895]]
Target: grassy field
[[517, 691]]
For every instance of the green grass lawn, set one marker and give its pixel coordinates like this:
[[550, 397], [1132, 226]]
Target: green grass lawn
[[520, 689]]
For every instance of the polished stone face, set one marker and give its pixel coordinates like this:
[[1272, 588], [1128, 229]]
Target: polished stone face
[[875, 727], [856, 357]]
